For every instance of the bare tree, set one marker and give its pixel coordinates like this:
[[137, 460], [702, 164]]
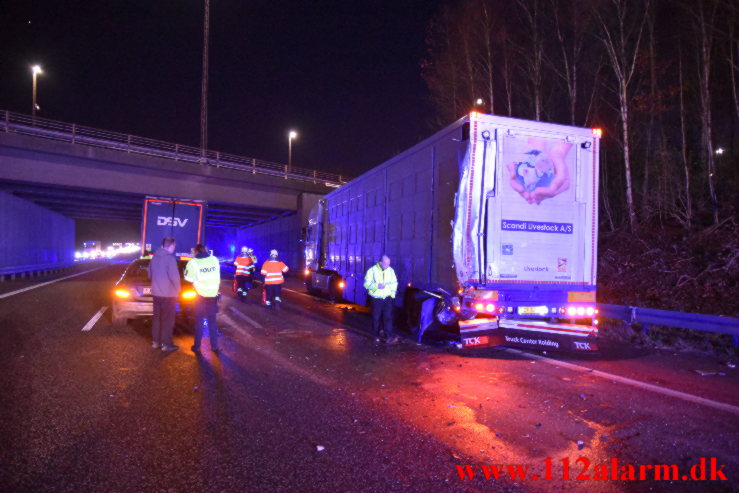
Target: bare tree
[[621, 30], [441, 68], [705, 17], [531, 50], [732, 56], [570, 19], [507, 72], [687, 212], [651, 108], [488, 34]]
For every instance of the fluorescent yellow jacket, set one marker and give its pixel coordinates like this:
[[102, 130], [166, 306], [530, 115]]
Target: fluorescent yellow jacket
[[205, 275], [376, 276]]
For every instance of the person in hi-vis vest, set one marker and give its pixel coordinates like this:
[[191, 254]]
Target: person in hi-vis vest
[[382, 285], [273, 271], [204, 272], [244, 273]]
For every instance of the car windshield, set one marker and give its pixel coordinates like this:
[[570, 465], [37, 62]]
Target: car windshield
[[139, 270]]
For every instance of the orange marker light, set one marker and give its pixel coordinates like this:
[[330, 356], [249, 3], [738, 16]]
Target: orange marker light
[[598, 132], [189, 294], [341, 284], [122, 293]]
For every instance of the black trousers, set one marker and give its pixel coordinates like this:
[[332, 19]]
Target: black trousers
[[243, 282], [273, 291], [163, 321], [206, 309], [382, 311]]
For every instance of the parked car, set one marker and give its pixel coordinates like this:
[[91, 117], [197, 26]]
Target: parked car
[[132, 293]]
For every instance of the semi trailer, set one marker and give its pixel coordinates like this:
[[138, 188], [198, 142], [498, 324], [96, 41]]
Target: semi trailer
[[181, 219], [492, 228]]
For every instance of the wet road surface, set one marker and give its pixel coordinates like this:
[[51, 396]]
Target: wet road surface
[[304, 400]]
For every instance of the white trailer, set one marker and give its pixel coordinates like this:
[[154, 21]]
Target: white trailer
[[492, 227]]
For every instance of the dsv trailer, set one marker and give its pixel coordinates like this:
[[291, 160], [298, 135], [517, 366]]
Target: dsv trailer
[[491, 225]]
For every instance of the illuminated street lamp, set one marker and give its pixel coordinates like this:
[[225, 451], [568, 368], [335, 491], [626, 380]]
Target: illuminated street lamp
[[290, 136], [35, 70], [720, 151]]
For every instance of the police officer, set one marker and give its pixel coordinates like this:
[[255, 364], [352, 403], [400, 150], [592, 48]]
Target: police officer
[[382, 285], [204, 271]]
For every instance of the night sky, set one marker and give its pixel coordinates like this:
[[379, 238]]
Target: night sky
[[344, 74]]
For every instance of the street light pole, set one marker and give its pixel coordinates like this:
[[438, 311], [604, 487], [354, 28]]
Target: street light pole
[[204, 83], [290, 136], [35, 70]]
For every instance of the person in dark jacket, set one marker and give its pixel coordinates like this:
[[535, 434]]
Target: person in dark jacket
[[165, 288]]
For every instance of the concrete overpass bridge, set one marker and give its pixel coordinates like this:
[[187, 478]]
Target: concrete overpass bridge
[[66, 171]]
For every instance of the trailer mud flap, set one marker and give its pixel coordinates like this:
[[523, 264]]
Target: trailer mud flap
[[548, 342], [480, 332], [549, 336]]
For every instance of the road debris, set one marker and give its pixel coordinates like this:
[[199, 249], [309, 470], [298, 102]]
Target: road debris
[[709, 373]]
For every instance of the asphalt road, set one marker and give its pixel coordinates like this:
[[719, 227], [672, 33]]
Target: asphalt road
[[303, 400]]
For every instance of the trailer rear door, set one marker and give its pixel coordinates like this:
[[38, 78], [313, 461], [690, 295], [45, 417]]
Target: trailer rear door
[[539, 221]]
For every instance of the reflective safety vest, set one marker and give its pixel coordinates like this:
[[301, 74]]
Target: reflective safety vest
[[272, 271], [244, 266], [205, 275], [376, 276]]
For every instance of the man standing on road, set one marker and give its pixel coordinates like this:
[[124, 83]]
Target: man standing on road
[[204, 272], [165, 288], [273, 270], [244, 271], [382, 285]]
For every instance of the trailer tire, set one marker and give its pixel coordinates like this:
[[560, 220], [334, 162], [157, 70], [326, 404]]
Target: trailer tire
[[309, 286]]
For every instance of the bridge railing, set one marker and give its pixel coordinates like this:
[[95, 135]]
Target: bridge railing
[[668, 318], [19, 123]]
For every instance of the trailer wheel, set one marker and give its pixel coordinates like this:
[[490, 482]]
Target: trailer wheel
[[334, 291], [309, 286]]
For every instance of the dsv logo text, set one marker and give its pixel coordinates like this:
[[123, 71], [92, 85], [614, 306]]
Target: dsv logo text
[[171, 221]]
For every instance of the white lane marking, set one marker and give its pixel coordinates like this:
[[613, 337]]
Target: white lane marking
[[232, 323], [303, 294], [245, 318], [19, 291], [634, 383], [89, 325]]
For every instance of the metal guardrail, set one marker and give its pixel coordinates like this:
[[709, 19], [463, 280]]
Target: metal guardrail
[[7, 273], [81, 135], [668, 318]]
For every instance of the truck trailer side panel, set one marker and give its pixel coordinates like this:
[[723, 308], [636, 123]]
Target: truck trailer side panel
[[404, 209]]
